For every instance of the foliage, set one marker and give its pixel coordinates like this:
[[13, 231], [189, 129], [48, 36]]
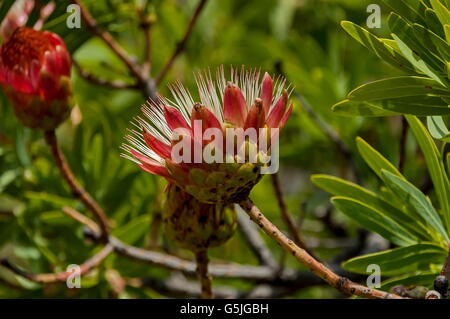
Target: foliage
[[400, 211], [301, 38]]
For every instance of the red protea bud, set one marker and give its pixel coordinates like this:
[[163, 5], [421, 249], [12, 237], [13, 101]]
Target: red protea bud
[[35, 76]]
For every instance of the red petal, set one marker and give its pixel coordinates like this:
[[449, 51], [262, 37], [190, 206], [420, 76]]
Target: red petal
[[235, 108], [209, 120], [51, 63], [285, 117], [266, 94], [151, 166], [156, 170], [273, 120], [54, 38], [64, 60], [160, 148], [174, 118], [19, 80], [256, 116], [144, 159]]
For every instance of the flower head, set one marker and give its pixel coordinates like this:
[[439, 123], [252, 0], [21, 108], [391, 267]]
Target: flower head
[[35, 75], [216, 148]]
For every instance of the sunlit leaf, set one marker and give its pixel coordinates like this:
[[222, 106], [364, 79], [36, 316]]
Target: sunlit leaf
[[399, 260], [373, 220]]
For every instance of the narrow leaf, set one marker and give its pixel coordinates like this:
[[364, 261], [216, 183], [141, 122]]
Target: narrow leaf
[[399, 260], [373, 220], [415, 200]]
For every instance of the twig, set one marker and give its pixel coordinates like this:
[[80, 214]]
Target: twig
[[342, 284], [205, 278], [109, 41], [86, 267], [81, 218], [403, 139], [292, 228], [174, 286], [182, 44], [254, 240], [146, 23], [146, 84], [77, 190], [177, 286], [98, 81], [232, 271]]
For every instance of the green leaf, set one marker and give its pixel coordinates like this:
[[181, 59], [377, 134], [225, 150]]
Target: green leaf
[[399, 260], [357, 108], [447, 35], [438, 129], [441, 11], [421, 45], [421, 105], [435, 165], [134, 230], [433, 23], [403, 86], [339, 187], [375, 160], [373, 220], [415, 60], [416, 200], [448, 163], [432, 40], [421, 279], [412, 10], [374, 44]]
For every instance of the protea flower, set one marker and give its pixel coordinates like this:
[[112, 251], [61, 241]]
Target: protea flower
[[35, 75], [195, 225], [243, 104]]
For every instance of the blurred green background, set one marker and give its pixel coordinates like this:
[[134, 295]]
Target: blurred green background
[[301, 37]]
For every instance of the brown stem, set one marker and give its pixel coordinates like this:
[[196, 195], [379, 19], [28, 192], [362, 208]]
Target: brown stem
[[146, 25], [342, 284], [77, 190], [201, 257], [286, 277], [109, 41], [182, 44], [81, 218], [86, 267], [146, 84], [291, 226]]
